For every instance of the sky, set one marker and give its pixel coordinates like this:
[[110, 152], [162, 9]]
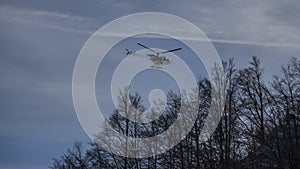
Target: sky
[[40, 42]]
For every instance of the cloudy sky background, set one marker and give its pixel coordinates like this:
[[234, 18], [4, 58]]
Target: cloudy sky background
[[40, 41]]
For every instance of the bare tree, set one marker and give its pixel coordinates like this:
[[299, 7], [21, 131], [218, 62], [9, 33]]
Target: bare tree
[[260, 126]]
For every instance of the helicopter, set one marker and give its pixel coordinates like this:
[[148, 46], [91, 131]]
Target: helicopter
[[157, 60]]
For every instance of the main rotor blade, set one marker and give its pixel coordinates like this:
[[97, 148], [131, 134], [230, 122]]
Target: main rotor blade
[[147, 48], [171, 50]]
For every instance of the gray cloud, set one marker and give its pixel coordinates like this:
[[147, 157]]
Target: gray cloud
[[246, 22], [46, 19], [253, 22]]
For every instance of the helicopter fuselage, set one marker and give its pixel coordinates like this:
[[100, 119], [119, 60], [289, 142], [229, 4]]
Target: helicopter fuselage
[[159, 61]]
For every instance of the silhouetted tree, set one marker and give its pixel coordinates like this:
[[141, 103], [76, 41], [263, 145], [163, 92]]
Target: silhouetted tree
[[260, 126]]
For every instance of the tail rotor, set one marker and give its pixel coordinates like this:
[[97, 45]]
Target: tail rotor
[[128, 52]]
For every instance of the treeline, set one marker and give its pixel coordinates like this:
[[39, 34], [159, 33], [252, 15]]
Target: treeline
[[259, 128]]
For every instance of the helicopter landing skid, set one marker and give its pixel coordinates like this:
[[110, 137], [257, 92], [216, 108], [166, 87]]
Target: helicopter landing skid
[[157, 67]]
